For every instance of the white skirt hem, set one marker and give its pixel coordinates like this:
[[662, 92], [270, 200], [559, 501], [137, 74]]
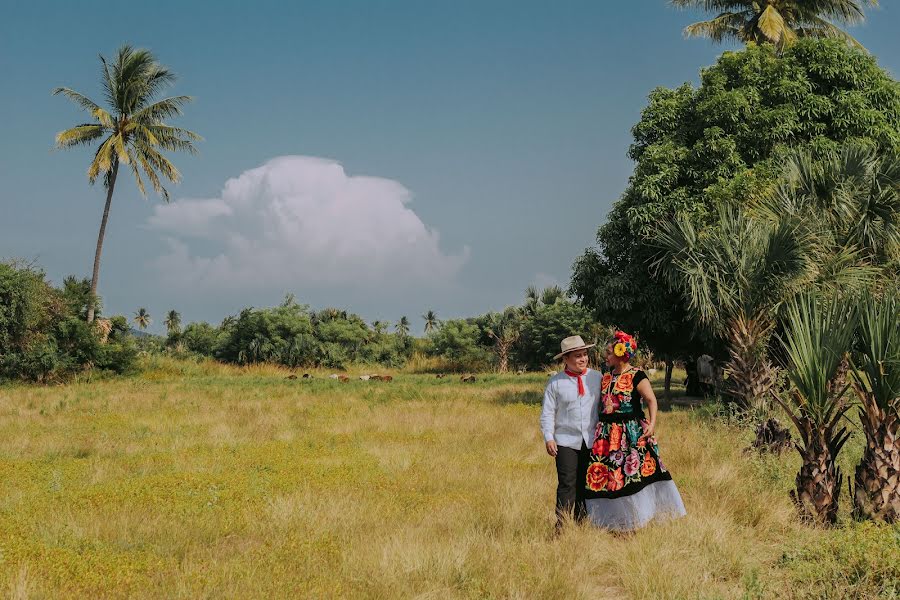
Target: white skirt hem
[[659, 500]]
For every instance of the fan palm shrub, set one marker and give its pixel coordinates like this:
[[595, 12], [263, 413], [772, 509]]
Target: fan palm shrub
[[818, 333], [876, 382]]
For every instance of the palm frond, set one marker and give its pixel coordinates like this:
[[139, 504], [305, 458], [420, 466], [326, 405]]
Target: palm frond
[[817, 335], [78, 98], [137, 178], [877, 368], [80, 134], [103, 159], [162, 109], [153, 177], [773, 26], [723, 27], [158, 162]]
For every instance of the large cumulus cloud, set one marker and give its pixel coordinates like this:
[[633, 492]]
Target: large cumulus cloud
[[302, 221]]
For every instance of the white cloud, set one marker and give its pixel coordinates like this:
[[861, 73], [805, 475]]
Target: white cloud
[[300, 221]]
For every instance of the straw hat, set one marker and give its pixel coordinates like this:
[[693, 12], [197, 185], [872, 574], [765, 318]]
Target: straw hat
[[571, 344]]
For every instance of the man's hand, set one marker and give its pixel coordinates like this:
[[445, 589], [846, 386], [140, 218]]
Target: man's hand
[[552, 450]]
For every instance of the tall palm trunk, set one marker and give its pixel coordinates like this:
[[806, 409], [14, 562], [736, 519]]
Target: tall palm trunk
[[818, 483], [95, 277], [503, 355], [751, 375], [666, 403], [877, 493]]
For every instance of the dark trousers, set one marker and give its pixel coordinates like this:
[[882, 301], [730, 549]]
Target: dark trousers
[[571, 470]]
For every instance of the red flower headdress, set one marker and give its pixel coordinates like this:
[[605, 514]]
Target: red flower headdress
[[624, 345]]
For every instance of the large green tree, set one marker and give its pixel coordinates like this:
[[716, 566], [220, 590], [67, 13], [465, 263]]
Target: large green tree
[[131, 131], [779, 22], [696, 149], [546, 323]]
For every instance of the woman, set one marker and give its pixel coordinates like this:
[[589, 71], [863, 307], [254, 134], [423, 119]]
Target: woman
[[627, 485]]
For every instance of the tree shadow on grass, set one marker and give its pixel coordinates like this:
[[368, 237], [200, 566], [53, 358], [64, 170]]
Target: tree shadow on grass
[[518, 397]]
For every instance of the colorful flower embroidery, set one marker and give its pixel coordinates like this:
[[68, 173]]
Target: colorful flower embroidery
[[601, 447], [649, 466], [615, 436], [597, 476], [625, 382], [616, 481], [632, 463], [607, 379], [617, 457], [610, 403]]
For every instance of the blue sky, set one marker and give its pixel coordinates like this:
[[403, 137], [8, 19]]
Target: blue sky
[[445, 154]]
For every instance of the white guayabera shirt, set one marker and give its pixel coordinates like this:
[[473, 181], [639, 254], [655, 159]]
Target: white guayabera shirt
[[566, 417]]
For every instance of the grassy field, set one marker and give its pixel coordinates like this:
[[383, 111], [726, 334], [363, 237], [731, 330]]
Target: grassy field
[[204, 481]]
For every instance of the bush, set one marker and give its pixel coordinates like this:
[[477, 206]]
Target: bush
[[43, 334], [458, 342]]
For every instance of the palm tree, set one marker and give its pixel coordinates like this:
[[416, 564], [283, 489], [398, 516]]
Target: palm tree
[[504, 328], [854, 193], [402, 327], [816, 339], [532, 301], [379, 327], [552, 295], [734, 276], [173, 322], [431, 321], [132, 129], [778, 22], [877, 384], [142, 318]]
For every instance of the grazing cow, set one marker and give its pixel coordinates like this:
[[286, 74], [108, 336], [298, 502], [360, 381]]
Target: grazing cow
[[333, 376], [707, 373], [291, 377], [439, 376], [387, 378], [343, 378], [468, 378], [307, 376]]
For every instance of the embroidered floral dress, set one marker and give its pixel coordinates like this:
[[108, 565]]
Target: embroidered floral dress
[[627, 483]]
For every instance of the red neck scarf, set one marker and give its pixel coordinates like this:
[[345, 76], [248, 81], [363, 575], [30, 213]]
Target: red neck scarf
[[580, 382]]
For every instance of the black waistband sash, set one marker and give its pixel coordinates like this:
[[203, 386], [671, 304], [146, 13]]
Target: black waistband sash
[[636, 415]]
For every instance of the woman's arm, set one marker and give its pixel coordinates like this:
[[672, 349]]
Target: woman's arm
[[645, 389]]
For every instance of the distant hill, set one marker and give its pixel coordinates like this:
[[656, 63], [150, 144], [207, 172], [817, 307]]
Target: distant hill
[[139, 334]]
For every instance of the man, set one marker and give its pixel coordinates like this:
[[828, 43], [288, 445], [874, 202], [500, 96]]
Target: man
[[568, 419]]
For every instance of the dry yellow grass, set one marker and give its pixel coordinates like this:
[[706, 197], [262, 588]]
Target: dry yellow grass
[[205, 481]]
